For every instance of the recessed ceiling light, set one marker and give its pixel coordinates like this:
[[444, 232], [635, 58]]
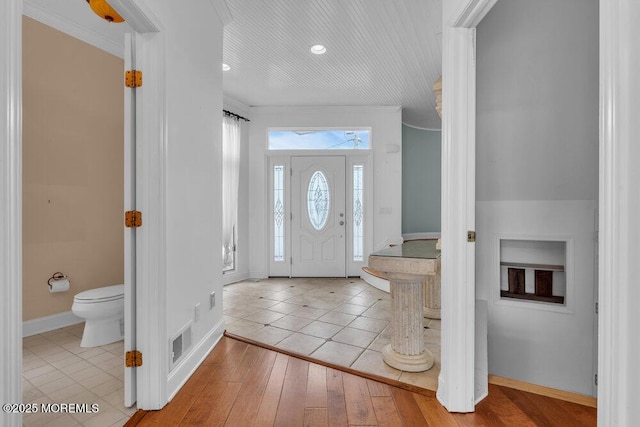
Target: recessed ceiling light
[[225, 67], [318, 49]]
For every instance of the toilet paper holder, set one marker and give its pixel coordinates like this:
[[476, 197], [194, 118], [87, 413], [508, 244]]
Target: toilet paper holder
[[56, 276]]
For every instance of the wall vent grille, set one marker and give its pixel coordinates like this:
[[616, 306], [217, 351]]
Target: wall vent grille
[[179, 345]]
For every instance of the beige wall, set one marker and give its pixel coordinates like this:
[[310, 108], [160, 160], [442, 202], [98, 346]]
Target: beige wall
[[72, 167]]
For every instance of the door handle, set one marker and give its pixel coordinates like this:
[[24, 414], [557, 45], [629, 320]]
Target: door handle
[[341, 222]]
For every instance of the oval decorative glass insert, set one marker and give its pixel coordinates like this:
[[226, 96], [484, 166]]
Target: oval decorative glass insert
[[318, 200]]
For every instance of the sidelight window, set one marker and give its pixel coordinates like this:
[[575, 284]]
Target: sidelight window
[[358, 212], [278, 213]]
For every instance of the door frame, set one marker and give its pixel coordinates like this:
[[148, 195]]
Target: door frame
[[130, 386], [458, 381], [151, 157], [353, 157], [150, 161], [619, 206], [11, 207]]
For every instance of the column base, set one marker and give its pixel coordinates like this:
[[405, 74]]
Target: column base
[[409, 363]]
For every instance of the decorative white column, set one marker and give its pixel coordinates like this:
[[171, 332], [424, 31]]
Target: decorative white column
[[406, 351], [431, 290], [407, 267]]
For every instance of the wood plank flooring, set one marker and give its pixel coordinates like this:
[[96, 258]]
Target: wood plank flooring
[[240, 384]]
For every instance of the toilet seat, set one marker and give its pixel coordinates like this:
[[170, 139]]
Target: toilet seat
[[104, 294]]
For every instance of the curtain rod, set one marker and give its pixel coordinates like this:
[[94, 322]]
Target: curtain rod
[[229, 113]]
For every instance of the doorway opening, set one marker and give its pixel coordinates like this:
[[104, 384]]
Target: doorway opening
[[73, 194]]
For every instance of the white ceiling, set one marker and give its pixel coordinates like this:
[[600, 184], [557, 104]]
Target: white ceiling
[[379, 52]]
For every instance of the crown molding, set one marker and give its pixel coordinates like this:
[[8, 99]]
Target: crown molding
[[472, 12], [421, 128], [310, 109]]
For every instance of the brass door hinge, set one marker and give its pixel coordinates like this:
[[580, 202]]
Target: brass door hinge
[[471, 236], [133, 78], [133, 359], [132, 219]]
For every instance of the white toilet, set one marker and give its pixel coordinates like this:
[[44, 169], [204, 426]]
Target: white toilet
[[103, 311]]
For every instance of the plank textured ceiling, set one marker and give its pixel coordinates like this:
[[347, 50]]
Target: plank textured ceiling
[[379, 52]]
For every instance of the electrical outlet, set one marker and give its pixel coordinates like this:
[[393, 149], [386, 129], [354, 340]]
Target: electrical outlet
[[196, 312], [212, 300]]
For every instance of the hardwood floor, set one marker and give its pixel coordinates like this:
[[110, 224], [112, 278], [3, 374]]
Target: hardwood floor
[[240, 384]]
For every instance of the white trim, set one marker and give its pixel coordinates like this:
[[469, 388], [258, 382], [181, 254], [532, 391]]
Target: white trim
[[11, 207], [49, 323], [481, 364], [618, 338], [137, 15], [129, 199], [309, 109], [258, 275], [183, 370], [472, 12], [233, 277], [457, 382], [72, 28], [151, 285]]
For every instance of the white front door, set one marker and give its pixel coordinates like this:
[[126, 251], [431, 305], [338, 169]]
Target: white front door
[[318, 221]]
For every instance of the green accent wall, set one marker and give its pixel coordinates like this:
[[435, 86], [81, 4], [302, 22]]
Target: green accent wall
[[421, 152]]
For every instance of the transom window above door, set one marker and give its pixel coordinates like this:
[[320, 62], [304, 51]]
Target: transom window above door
[[319, 139]]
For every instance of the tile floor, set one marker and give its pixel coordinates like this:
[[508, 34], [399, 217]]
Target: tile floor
[[57, 370], [342, 321]]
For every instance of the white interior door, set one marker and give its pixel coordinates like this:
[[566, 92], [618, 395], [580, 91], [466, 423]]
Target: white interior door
[[318, 217], [129, 233]]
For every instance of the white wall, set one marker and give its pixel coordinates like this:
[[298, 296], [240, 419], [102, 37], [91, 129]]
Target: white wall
[[386, 125], [540, 343], [538, 101], [241, 271], [192, 55], [537, 175]]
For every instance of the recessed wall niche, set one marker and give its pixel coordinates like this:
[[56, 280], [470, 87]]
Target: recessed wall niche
[[533, 270]]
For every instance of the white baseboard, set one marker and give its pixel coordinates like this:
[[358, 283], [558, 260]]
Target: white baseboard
[[183, 371], [49, 323], [233, 277], [258, 275]]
